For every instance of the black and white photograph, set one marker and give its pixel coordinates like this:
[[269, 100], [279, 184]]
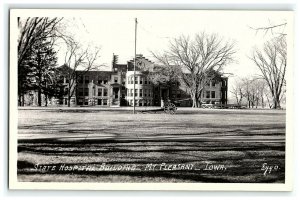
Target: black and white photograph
[[150, 99]]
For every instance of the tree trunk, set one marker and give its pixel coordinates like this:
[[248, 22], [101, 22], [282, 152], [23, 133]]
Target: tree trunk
[[46, 100], [69, 99], [195, 100], [39, 97], [276, 102], [20, 100], [237, 100]]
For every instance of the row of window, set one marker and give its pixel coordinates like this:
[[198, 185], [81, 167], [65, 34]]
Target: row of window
[[139, 92], [85, 92], [99, 81], [142, 102], [102, 92], [102, 102], [210, 94], [213, 83], [211, 102], [138, 80]]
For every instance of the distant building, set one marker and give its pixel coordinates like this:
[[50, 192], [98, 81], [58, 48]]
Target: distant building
[[215, 90]]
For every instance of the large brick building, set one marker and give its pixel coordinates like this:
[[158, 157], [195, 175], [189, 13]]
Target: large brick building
[[116, 88]]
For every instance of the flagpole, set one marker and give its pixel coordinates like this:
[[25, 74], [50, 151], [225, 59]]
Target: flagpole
[[134, 66]]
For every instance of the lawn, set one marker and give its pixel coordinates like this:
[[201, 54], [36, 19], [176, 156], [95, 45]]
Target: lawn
[[195, 145]]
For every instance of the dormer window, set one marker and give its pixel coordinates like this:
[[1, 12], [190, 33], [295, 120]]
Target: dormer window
[[213, 83]]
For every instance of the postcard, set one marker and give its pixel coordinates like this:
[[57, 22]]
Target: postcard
[[151, 100]]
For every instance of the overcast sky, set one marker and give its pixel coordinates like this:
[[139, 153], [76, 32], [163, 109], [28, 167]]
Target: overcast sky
[[113, 31]]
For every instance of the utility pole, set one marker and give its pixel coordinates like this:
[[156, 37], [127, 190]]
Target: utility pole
[[134, 66]]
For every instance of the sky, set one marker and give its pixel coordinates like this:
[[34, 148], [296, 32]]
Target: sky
[[113, 31]]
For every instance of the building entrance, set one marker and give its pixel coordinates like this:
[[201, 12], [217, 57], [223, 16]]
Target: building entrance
[[116, 95]]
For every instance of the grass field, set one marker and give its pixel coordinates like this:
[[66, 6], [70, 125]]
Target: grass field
[[195, 145]]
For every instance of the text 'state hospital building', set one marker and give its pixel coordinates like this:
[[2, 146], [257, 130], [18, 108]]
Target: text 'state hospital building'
[[116, 88]]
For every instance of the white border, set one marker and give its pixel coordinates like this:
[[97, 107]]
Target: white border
[[14, 184]]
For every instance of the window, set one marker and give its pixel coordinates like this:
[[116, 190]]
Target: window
[[99, 80], [131, 79], [224, 83], [105, 81], [131, 92], [135, 80], [116, 79], [135, 92], [145, 92], [128, 80], [213, 83], [86, 79], [94, 91], [178, 94], [86, 91], [80, 91], [141, 103], [213, 94], [105, 102], [99, 101], [141, 92], [80, 101], [141, 80], [100, 92], [207, 94], [146, 80], [105, 92], [80, 79]]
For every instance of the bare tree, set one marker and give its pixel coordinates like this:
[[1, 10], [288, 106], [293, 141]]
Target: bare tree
[[262, 92], [271, 61], [77, 58], [32, 32], [238, 91], [197, 58], [277, 30], [248, 92]]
